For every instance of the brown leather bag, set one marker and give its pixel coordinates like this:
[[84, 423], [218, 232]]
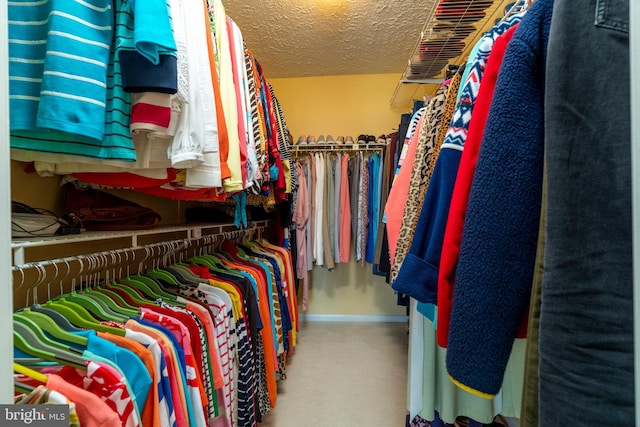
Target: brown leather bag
[[100, 211]]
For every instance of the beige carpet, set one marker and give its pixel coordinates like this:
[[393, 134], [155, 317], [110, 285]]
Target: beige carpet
[[345, 375]]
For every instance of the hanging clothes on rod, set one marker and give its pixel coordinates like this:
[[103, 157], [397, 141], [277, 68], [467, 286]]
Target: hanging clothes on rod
[[338, 202], [421, 259], [154, 106], [197, 336]]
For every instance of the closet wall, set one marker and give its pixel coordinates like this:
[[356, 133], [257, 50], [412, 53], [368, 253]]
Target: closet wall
[[343, 105], [45, 193], [338, 105]]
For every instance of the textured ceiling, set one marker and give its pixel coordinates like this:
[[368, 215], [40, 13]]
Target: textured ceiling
[[301, 38]]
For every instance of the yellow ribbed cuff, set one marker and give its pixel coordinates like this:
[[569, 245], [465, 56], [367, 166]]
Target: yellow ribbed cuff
[[470, 390]]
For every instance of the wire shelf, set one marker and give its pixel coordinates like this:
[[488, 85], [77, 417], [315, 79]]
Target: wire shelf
[[452, 29]]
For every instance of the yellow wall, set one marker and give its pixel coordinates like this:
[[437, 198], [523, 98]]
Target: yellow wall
[[343, 105], [338, 105]]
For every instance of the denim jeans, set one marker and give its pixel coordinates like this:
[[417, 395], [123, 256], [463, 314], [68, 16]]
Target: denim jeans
[[586, 321]]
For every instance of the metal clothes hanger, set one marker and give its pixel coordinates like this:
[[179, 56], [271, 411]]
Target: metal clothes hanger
[[119, 300], [109, 298], [60, 320], [146, 283], [48, 324], [77, 314], [108, 304], [94, 306], [158, 273]]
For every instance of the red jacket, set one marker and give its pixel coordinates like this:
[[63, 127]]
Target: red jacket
[[462, 188]]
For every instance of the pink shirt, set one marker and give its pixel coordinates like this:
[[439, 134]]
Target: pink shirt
[[397, 199], [344, 241], [92, 411], [300, 218], [105, 382]]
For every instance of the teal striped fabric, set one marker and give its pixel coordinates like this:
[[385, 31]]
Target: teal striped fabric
[[66, 94], [58, 57]]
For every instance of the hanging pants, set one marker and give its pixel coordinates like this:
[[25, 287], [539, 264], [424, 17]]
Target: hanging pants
[[586, 320]]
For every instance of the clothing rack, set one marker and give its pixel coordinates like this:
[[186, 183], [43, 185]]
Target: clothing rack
[[95, 267], [124, 290], [134, 238], [314, 147]]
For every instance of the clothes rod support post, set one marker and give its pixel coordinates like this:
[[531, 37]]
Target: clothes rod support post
[[196, 232], [18, 256]]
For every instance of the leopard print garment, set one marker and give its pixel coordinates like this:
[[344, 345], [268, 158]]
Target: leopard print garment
[[419, 177], [449, 110], [442, 112], [264, 404], [282, 367]]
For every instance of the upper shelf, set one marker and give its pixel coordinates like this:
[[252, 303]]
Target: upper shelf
[[369, 146], [131, 238], [452, 29]]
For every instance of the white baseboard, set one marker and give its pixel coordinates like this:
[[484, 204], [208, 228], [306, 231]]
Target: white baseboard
[[352, 318]]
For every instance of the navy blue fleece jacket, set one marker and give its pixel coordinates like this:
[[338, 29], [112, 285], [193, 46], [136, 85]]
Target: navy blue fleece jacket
[[418, 276], [498, 248]]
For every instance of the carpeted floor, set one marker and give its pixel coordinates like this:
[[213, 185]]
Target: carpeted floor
[[345, 375]]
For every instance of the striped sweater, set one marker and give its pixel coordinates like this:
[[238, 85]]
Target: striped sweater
[[66, 94], [58, 59]]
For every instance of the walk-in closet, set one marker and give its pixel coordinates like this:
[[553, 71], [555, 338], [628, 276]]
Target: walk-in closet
[[319, 213]]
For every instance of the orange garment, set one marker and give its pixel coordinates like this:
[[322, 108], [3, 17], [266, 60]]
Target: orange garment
[[150, 414], [287, 262], [214, 356], [266, 334], [178, 397], [223, 136]]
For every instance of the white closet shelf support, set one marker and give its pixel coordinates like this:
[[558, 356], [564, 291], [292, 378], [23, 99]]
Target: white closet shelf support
[[18, 246]]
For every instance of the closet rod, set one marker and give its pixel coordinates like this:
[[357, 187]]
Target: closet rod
[[338, 147], [94, 267], [634, 52], [191, 230], [168, 248], [423, 81]]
